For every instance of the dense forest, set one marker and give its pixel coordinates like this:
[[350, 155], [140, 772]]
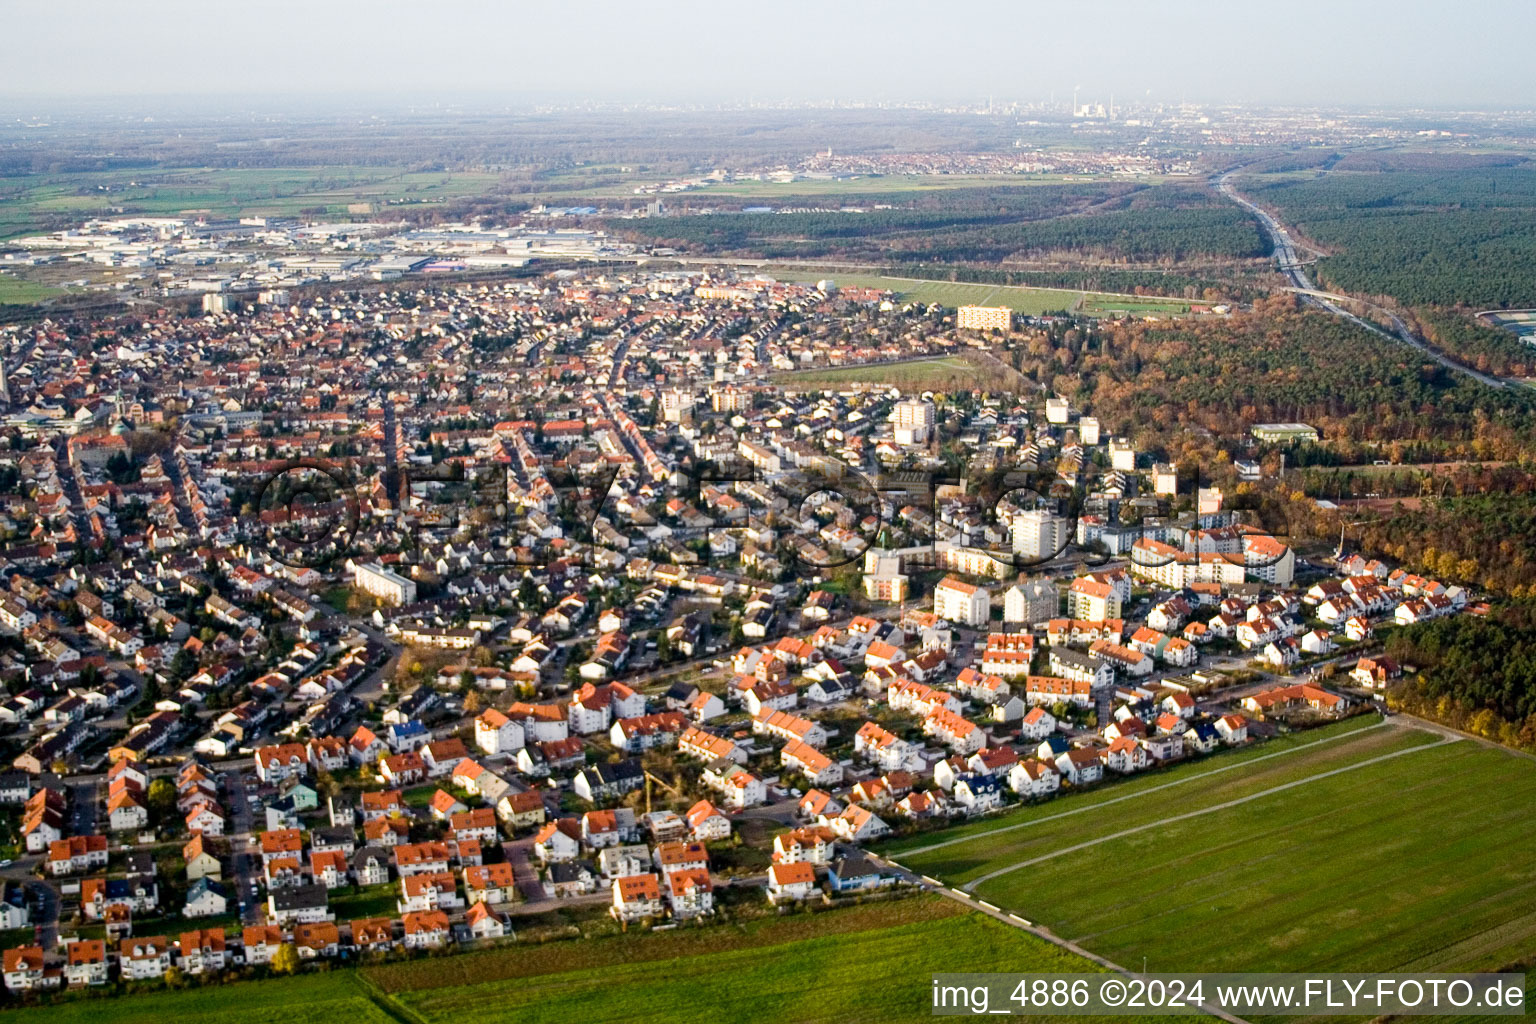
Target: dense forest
[[1473, 342], [1114, 221], [1424, 229], [1350, 473], [961, 202], [1277, 363], [1149, 234], [1486, 540], [1474, 673], [1190, 285]]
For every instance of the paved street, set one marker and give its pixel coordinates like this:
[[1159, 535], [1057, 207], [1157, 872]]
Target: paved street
[[246, 864]]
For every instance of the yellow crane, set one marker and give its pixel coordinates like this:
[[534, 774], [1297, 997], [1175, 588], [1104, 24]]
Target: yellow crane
[[664, 784]]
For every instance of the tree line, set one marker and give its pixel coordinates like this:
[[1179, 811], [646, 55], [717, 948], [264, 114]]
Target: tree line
[[1463, 233], [1277, 363], [1485, 540], [1475, 673], [1112, 221]]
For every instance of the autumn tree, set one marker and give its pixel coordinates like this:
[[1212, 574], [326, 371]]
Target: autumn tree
[[162, 798], [286, 959]]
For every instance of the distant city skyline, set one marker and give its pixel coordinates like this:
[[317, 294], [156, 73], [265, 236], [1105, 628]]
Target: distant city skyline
[[1353, 54]]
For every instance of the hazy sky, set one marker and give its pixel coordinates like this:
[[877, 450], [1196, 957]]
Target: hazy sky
[[1345, 52]]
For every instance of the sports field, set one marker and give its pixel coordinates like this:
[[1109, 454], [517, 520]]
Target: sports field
[[945, 373], [1019, 298], [1356, 847], [1098, 304]]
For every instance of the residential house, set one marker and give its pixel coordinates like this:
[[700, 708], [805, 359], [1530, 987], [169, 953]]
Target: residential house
[[792, 881]]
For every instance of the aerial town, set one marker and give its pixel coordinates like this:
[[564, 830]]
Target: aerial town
[[532, 514], [373, 623]]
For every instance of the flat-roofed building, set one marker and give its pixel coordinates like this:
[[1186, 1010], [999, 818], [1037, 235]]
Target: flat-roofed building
[[983, 318], [1284, 433], [961, 602], [913, 421], [372, 578]]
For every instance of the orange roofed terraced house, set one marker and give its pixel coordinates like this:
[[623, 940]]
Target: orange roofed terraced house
[[1302, 694]]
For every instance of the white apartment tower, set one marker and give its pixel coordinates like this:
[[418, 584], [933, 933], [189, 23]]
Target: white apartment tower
[[913, 421], [962, 603], [675, 405], [983, 318], [1038, 533], [729, 399]]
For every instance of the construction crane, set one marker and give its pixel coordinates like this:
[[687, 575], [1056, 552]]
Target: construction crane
[[1338, 554], [649, 778]]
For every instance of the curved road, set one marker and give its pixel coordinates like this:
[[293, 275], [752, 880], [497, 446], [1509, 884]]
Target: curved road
[[1286, 255]]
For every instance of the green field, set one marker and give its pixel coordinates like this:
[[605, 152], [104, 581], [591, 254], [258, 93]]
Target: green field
[[312, 999], [35, 202], [896, 183], [1413, 855], [15, 291], [864, 963], [371, 901], [30, 203], [875, 968], [1111, 305], [1075, 808], [1359, 846], [1019, 298], [946, 373]]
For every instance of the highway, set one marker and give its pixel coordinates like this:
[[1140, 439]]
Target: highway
[[1287, 256]]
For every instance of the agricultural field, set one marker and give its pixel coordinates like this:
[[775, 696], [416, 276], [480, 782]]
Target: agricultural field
[[864, 963], [975, 845], [890, 183], [1029, 301], [869, 963], [1357, 847], [1097, 304], [17, 291], [45, 202], [311, 999], [1019, 298]]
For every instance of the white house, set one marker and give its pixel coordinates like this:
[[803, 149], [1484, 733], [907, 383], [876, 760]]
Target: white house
[[1037, 725], [1233, 729], [1080, 766], [789, 882], [1033, 778], [496, 734], [977, 793]]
